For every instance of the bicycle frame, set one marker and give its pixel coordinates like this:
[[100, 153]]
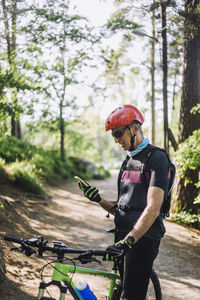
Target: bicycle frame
[[60, 274]]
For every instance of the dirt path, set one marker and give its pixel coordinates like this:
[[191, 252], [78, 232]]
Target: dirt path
[[69, 217]]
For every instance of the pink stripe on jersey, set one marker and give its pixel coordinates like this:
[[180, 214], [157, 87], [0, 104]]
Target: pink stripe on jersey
[[131, 176], [135, 176]]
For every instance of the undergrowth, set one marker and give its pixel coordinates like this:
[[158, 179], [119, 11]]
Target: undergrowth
[[187, 218], [29, 167]]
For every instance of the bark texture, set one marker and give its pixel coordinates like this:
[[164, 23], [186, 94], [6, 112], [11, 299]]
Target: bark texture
[[184, 195]]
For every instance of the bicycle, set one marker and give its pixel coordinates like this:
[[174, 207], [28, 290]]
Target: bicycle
[[62, 276]]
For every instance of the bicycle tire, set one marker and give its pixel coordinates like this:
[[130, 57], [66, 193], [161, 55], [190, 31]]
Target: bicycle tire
[[156, 285]]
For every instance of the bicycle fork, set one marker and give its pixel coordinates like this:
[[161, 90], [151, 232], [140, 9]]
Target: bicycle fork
[[44, 285]]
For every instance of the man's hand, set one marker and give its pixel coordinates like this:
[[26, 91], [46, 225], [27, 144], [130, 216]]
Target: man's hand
[[119, 249], [91, 193]]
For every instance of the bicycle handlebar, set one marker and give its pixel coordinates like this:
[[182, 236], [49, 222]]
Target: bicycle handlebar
[[58, 247], [12, 239]]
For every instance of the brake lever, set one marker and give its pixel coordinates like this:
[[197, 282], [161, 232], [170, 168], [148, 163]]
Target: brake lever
[[29, 251], [17, 249], [25, 248], [87, 258]]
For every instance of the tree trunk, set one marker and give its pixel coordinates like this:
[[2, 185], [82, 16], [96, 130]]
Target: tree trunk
[[16, 128], [153, 81], [10, 36], [191, 77], [165, 74], [62, 133], [184, 195], [7, 30]]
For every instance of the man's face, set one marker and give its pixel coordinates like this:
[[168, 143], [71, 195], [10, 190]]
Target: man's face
[[122, 136]]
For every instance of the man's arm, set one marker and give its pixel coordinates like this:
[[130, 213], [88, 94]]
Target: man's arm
[[108, 205], [155, 197]]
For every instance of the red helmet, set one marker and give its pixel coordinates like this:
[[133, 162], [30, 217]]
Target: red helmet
[[123, 116]]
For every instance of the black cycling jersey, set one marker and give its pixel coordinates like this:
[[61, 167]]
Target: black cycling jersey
[[133, 190]]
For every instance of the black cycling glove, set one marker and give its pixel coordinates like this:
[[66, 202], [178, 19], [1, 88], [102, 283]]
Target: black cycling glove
[[119, 249], [91, 193]]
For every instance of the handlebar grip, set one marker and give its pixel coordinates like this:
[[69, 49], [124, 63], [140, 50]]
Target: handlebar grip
[[99, 252], [13, 239]]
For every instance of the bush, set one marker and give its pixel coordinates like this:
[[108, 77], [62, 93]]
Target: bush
[[30, 166], [187, 218], [13, 149], [102, 173], [188, 158], [86, 169], [45, 162], [188, 155], [3, 173], [197, 199], [25, 176], [82, 168]]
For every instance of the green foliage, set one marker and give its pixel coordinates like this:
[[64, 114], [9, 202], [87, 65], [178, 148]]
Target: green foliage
[[196, 109], [11, 83], [83, 169], [120, 23], [29, 167], [188, 158], [46, 161], [2, 163], [25, 176], [51, 167], [197, 199], [102, 173], [11, 109], [188, 155], [14, 79], [112, 60], [13, 149], [192, 18], [3, 174], [187, 218]]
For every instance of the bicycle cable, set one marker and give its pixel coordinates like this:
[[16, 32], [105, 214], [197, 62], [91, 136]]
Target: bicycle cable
[[51, 263]]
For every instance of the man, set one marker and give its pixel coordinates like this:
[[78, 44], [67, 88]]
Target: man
[[138, 208]]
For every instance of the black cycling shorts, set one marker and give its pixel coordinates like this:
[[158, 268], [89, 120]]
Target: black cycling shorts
[[136, 269]]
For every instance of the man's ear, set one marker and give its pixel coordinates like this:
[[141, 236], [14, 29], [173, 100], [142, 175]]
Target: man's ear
[[134, 128]]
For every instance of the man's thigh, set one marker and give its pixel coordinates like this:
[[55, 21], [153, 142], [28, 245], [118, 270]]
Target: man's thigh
[[137, 268]]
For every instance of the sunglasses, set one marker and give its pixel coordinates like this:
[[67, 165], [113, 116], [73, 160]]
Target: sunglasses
[[118, 133]]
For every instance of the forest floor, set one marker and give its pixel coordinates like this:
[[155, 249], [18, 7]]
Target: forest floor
[[67, 216]]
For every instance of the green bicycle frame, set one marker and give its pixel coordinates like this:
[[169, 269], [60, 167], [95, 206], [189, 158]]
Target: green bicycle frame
[[60, 274]]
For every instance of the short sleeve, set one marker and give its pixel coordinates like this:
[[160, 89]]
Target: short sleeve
[[158, 166]]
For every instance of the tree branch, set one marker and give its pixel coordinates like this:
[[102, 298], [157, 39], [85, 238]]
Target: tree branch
[[172, 139]]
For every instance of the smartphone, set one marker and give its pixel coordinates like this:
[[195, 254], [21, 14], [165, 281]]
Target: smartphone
[[81, 180]]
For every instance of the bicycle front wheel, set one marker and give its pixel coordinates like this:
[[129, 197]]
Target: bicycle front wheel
[[154, 289]]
